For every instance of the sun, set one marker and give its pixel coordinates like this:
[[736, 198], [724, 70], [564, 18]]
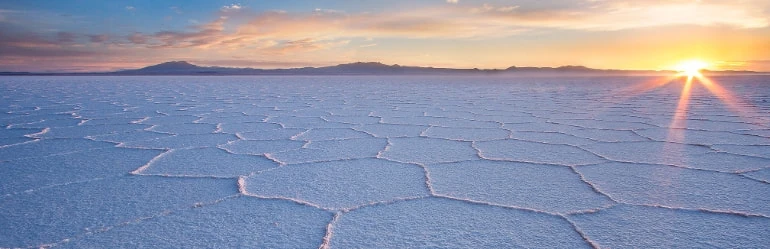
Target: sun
[[691, 68]]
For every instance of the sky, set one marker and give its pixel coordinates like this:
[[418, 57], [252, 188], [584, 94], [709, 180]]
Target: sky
[[98, 35]]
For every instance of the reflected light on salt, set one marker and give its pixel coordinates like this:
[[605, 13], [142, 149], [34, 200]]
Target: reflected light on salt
[[733, 103]]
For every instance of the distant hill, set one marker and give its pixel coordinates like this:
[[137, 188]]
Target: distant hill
[[171, 66]]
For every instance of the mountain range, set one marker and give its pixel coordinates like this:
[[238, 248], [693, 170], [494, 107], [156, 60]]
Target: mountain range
[[363, 68], [357, 68]]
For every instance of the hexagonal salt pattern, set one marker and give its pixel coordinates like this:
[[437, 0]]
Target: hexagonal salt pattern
[[445, 223], [649, 227], [679, 187], [235, 223], [555, 189], [341, 184], [200, 162], [69, 210], [380, 162]]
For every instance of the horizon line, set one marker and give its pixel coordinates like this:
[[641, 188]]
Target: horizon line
[[582, 67]]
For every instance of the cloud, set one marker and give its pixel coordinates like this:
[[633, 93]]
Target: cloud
[[176, 10], [303, 45], [65, 37], [231, 8], [619, 15], [452, 1], [130, 8], [98, 38], [322, 34], [281, 32], [137, 38]]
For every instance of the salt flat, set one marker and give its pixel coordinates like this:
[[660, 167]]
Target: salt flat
[[382, 162]]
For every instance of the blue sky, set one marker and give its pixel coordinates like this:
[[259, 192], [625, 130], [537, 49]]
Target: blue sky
[[88, 35]]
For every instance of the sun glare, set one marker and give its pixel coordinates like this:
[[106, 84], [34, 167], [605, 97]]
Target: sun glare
[[691, 68]]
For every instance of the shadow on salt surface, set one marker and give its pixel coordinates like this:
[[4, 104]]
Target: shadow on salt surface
[[553, 189], [261, 147], [467, 134], [762, 175], [209, 161], [125, 137], [184, 129], [170, 120], [34, 173], [625, 226], [352, 119], [90, 130], [183, 141], [7, 141], [703, 137], [679, 187], [597, 124], [44, 122], [760, 133], [249, 127], [648, 152], [607, 135], [709, 125], [428, 150], [236, 118], [725, 162], [242, 222], [330, 150], [276, 134], [75, 209], [392, 130], [747, 150], [306, 122], [341, 184], [535, 152], [442, 122], [445, 223], [551, 138], [17, 133], [112, 121], [538, 127], [331, 134], [47, 147]]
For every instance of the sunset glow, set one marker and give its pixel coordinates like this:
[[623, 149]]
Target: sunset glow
[[91, 35], [691, 68]]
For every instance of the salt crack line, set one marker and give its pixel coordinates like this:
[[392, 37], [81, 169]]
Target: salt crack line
[[704, 210], [60, 185], [594, 188], [25, 142], [148, 164], [326, 243], [388, 145], [274, 159], [580, 232], [754, 179], [140, 121], [135, 221], [38, 134], [381, 203], [594, 210], [295, 137], [497, 205], [219, 129], [243, 191]]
